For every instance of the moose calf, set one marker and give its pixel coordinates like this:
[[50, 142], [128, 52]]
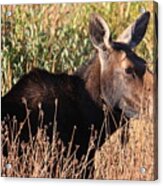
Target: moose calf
[[115, 77]]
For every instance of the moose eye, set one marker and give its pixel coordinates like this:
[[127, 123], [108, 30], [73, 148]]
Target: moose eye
[[129, 70]]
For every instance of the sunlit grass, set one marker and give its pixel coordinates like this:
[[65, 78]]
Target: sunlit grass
[[55, 37]]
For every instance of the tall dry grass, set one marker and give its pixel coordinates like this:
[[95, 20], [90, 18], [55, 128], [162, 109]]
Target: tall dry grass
[[128, 154], [41, 159]]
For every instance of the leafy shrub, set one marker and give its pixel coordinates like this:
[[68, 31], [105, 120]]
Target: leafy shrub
[[55, 37]]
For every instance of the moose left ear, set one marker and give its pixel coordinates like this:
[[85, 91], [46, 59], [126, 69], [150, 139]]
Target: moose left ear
[[99, 31], [135, 32]]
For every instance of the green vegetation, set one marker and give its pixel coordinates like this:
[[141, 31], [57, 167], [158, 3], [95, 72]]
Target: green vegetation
[[55, 37]]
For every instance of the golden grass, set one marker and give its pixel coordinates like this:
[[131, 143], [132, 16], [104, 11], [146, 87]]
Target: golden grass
[[121, 157], [128, 150], [41, 159]]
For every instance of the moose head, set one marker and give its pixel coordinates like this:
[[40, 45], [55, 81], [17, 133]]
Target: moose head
[[122, 72]]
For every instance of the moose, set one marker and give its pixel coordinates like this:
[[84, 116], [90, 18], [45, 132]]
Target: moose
[[115, 77]]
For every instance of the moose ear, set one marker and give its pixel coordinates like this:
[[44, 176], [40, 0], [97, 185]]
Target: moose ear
[[136, 31], [99, 31]]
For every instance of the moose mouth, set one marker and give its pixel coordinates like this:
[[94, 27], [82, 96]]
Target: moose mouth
[[131, 114], [128, 111]]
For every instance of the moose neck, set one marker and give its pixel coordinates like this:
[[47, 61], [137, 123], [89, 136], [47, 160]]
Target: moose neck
[[90, 73]]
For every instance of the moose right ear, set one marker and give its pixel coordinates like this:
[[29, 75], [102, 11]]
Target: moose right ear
[[135, 32], [99, 31]]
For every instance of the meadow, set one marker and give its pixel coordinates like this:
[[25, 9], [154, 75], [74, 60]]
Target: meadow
[[55, 37]]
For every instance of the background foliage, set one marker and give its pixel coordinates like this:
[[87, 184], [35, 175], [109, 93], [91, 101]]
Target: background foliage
[[55, 37]]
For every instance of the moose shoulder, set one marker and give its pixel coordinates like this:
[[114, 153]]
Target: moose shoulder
[[115, 76]]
